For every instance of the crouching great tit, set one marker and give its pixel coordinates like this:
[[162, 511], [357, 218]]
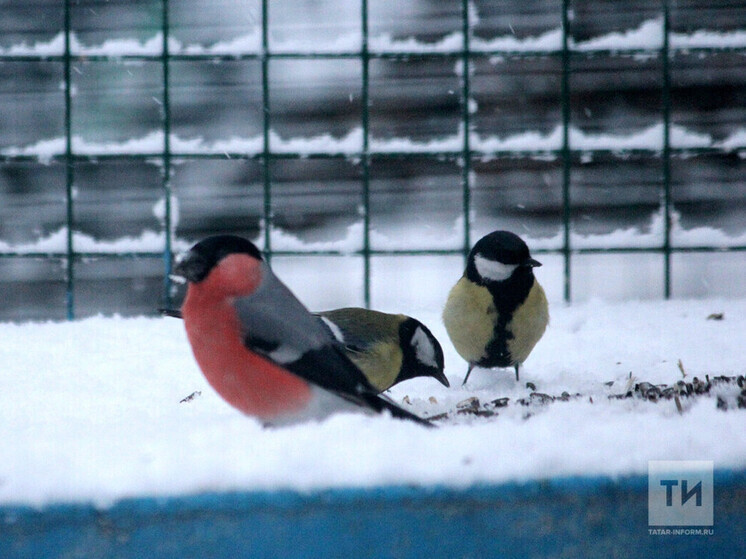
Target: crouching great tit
[[497, 311], [388, 348]]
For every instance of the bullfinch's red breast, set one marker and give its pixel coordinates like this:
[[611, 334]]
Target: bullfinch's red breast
[[259, 347]]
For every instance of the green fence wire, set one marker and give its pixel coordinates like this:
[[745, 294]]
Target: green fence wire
[[464, 156]]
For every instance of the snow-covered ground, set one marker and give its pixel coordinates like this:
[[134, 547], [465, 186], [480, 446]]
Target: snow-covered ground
[[91, 411]]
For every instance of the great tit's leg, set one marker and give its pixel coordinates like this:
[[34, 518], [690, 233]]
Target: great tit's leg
[[468, 372], [517, 365]]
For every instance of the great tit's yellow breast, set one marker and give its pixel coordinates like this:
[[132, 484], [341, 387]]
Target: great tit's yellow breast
[[380, 363], [528, 324], [470, 317]]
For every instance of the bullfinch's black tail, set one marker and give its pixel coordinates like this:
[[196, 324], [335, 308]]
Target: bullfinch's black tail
[[381, 404]]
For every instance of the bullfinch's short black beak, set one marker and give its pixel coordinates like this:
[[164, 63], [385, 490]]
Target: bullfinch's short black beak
[[531, 263], [191, 267]]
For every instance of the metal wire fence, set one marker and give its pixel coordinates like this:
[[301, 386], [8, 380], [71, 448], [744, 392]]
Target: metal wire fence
[[466, 154]]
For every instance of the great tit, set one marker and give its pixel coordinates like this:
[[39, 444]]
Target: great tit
[[388, 348], [497, 311], [259, 347]]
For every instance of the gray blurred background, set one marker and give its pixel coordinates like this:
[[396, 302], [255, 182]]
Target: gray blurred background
[[415, 199]]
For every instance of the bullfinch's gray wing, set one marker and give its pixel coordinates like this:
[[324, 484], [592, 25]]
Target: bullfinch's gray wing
[[276, 325]]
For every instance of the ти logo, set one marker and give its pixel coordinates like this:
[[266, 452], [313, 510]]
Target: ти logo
[[680, 493]]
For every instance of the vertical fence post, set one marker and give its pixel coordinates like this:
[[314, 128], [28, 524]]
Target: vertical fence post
[[666, 154], [566, 155], [167, 252], [364, 94], [466, 124], [265, 132], [69, 173]]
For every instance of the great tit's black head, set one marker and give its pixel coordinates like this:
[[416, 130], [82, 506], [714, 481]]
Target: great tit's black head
[[497, 256], [422, 355], [195, 264]]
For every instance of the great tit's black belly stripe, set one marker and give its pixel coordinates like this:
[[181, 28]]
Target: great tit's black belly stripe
[[496, 353], [507, 299]]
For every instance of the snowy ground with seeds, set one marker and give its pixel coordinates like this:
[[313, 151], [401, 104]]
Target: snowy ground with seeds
[[106, 408]]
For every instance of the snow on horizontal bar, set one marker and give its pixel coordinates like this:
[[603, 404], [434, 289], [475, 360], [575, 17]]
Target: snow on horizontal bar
[[704, 38], [648, 138], [401, 235], [627, 237], [56, 242], [735, 140], [147, 241], [549, 41], [384, 43], [523, 141], [352, 241], [407, 145], [323, 143], [653, 236], [153, 142], [53, 47], [349, 42], [649, 35], [251, 43], [234, 144], [702, 236], [119, 47], [45, 150]]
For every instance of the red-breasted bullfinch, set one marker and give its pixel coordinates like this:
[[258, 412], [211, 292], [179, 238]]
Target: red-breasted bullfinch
[[497, 311], [259, 347], [388, 348]]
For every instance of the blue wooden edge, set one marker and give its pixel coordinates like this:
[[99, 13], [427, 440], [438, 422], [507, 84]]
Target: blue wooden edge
[[576, 517]]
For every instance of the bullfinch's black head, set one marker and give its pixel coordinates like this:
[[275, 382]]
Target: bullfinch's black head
[[497, 257], [195, 264], [422, 355]]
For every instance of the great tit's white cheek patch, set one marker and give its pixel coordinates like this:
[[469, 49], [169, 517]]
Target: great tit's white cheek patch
[[423, 348], [493, 270], [334, 328]]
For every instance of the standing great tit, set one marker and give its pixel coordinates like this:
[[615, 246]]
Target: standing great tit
[[388, 348], [497, 311], [259, 347]]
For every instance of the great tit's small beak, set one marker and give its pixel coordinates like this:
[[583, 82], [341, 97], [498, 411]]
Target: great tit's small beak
[[442, 379], [530, 262]]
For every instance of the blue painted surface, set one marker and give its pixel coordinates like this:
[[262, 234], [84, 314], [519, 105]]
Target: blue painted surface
[[572, 517]]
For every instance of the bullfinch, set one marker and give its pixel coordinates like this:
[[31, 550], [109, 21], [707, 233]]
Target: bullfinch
[[387, 348], [259, 347], [497, 311]]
